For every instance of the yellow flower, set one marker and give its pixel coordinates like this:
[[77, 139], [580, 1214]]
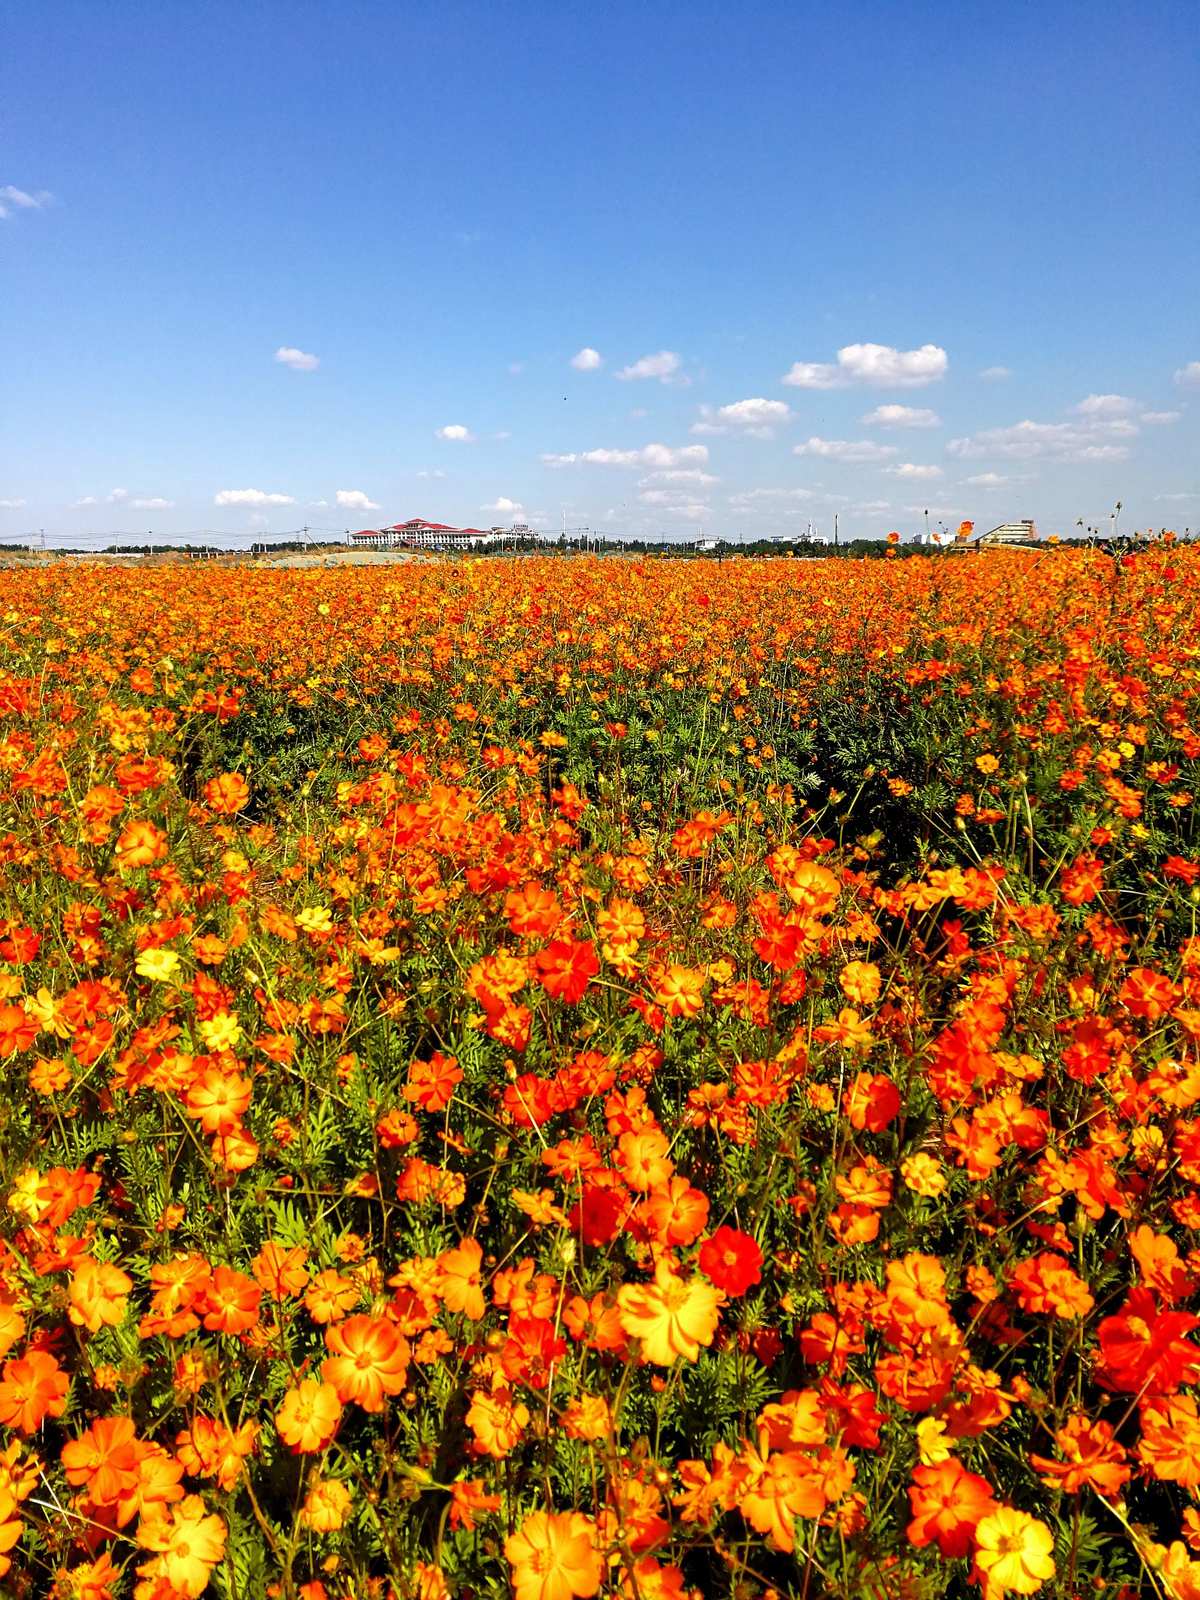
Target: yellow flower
[[158, 965], [923, 1175], [23, 1198], [931, 1441], [987, 763], [221, 1032], [315, 919], [672, 1316], [44, 1008], [1014, 1551]]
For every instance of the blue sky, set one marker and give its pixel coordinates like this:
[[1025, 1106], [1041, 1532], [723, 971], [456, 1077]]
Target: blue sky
[[991, 211]]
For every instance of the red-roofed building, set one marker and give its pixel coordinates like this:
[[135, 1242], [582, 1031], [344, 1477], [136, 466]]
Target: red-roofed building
[[419, 534]]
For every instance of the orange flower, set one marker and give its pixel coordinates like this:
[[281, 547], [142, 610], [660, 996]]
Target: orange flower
[[227, 794], [218, 1100], [785, 1486], [369, 1361], [554, 1556], [98, 1294], [329, 1296], [671, 1317], [497, 1420], [279, 1270], [1092, 1459], [32, 1388], [231, 1302], [947, 1504], [861, 982], [458, 1282], [18, 1030], [431, 1083], [871, 1101], [140, 844], [104, 1460], [309, 1416], [189, 1542], [326, 1505]]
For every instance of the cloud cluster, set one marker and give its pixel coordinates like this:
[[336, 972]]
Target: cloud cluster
[[356, 500], [455, 433], [914, 472], [879, 366], [587, 359], [650, 455], [895, 416], [1050, 441], [503, 506], [663, 365], [122, 497], [14, 199], [298, 360], [251, 497], [1188, 374], [849, 450]]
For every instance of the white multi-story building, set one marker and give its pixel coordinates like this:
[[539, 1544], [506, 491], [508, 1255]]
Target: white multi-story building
[[418, 534]]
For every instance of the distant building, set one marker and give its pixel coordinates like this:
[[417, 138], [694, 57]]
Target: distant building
[[1012, 533], [707, 544], [418, 534]]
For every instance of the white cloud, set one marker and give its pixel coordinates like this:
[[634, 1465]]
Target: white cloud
[[913, 471], [650, 455], [504, 506], [1186, 494], [879, 365], [152, 503], [11, 505], [356, 500], [14, 199], [708, 423], [1189, 374], [853, 450], [895, 416], [86, 500], [587, 359], [515, 368], [1054, 441], [1155, 419], [455, 433], [750, 496], [1105, 405], [663, 366], [298, 360], [988, 480], [435, 473], [699, 480], [995, 374], [757, 416], [251, 497], [117, 497]]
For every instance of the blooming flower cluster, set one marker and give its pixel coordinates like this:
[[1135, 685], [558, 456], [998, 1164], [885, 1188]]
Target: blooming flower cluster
[[577, 1078]]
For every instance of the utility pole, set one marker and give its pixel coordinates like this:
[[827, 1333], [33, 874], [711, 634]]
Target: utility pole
[[835, 530], [926, 524]]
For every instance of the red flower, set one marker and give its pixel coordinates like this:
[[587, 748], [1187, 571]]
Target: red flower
[[566, 967], [731, 1260], [1142, 1349]]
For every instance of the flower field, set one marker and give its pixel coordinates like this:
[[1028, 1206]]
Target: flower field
[[567, 1078]]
